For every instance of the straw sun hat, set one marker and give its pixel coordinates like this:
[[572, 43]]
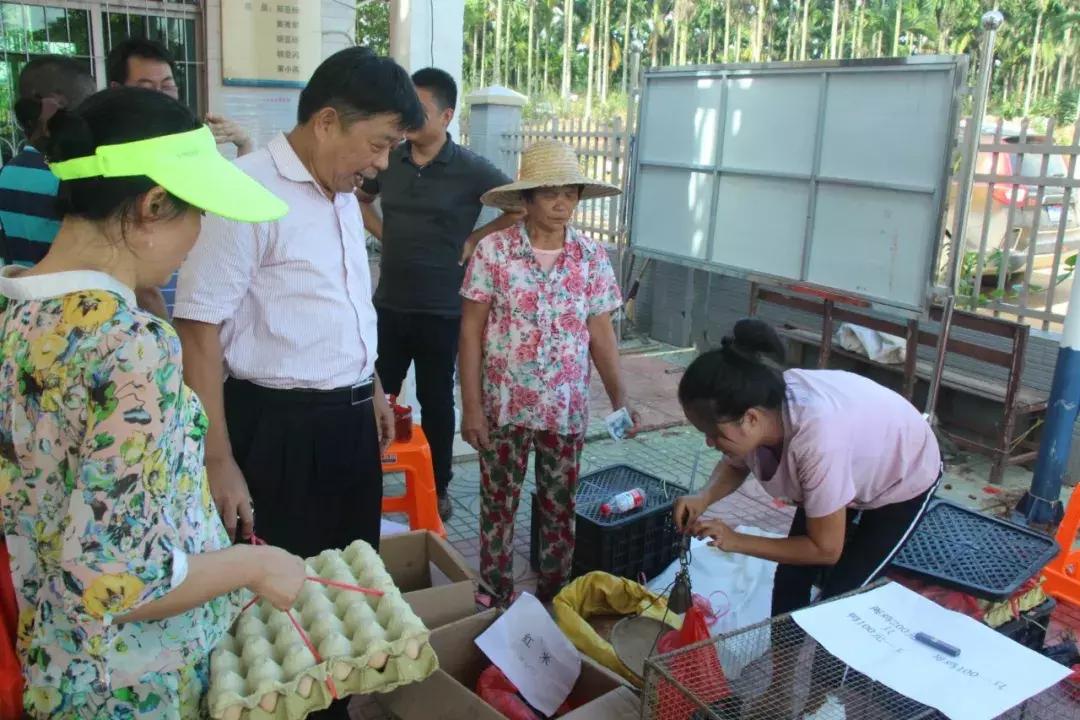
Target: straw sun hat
[[547, 163]]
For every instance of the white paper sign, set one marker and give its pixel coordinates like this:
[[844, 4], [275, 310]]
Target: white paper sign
[[874, 633], [527, 645]]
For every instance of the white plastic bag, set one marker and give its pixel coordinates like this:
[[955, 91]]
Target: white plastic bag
[[878, 346]]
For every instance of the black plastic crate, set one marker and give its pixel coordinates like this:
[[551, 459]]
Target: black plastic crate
[[969, 551], [640, 541], [1030, 628]]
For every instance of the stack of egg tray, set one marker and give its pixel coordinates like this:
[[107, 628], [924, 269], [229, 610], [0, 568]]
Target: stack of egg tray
[[263, 670]]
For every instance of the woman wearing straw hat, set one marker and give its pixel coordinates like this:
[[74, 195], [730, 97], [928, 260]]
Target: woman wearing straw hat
[[538, 302], [124, 573]]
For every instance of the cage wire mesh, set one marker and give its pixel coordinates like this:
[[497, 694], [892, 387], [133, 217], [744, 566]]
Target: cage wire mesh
[[775, 671]]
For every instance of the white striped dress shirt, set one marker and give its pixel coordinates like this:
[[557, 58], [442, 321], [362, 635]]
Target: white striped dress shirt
[[293, 296]]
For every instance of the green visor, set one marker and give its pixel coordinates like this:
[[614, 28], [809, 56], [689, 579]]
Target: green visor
[[189, 166]]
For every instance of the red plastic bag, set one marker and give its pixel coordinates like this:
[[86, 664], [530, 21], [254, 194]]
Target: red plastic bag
[[496, 690], [699, 671], [11, 680]]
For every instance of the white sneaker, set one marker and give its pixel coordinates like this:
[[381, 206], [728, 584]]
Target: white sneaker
[[831, 709]]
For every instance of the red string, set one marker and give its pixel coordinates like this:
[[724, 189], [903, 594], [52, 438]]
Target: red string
[[346, 586], [314, 653]]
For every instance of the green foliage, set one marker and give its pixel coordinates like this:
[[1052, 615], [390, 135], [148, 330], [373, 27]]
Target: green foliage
[[373, 26]]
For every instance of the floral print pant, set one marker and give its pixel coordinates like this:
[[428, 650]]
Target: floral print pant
[[503, 467]]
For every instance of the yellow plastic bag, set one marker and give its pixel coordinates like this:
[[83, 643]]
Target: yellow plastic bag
[[599, 593]]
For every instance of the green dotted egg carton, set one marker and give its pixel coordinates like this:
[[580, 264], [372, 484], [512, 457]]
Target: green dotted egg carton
[[263, 669]]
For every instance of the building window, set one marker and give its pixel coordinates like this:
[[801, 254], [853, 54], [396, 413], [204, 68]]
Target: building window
[[87, 31]]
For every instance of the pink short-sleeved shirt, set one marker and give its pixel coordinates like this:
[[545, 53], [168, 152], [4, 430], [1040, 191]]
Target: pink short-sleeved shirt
[[849, 442], [536, 364]]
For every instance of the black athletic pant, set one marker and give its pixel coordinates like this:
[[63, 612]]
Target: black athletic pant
[[871, 540], [430, 341]]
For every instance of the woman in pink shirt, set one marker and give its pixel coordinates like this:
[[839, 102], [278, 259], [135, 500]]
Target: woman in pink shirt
[[538, 304], [858, 461]]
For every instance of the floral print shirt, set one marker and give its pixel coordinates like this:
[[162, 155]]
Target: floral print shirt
[[103, 496], [536, 365]]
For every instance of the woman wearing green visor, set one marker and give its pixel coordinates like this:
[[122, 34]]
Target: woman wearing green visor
[[123, 570]]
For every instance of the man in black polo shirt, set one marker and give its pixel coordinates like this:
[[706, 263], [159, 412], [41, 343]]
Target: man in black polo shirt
[[430, 196]]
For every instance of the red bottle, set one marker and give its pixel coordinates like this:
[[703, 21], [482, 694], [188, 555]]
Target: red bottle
[[624, 502]]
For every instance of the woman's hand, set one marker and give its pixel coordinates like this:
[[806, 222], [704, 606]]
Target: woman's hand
[[474, 430], [280, 577], [720, 533], [687, 510]]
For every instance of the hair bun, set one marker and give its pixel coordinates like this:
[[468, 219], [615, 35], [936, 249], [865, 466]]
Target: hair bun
[[756, 339], [69, 137]]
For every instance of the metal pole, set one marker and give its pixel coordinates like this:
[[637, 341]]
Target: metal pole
[[1041, 505], [632, 98], [991, 22]]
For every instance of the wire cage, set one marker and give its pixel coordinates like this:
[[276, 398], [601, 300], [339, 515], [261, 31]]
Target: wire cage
[[775, 671]]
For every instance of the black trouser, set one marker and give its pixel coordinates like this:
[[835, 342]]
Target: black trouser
[[312, 464], [871, 539], [431, 342]]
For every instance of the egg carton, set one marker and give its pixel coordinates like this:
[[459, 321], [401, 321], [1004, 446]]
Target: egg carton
[[263, 669]]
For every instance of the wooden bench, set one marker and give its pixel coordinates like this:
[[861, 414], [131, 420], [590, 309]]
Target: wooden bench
[[1016, 401]]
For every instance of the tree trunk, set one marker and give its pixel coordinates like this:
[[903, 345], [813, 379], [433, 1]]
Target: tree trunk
[[496, 61], [805, 29], [792, 14], [1059, 81], [475, 57], [879, 40], [710, 54], [592, 55], [896, 28], [547, 61], [860, 17], [507, 50], [759, 31], [655, 38], [685, 21], [626, 49], [1035, 42], [529, 50], [727, 28], [834, 40], [605, 70], [568, 45], [676, 27], [483, 52], [1005, 90]]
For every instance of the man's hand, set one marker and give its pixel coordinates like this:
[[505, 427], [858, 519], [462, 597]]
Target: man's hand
[[228, 132], [474, 430], [384, 420], [721, 534], [231, 496], [509, 218]]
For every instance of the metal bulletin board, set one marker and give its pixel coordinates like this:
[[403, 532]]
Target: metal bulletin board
[[831, 175]]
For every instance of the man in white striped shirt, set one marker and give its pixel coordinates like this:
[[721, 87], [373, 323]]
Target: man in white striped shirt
[[285, 307]]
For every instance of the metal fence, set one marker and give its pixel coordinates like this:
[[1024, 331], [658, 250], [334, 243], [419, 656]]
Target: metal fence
[[602, 152], [1023, 233]]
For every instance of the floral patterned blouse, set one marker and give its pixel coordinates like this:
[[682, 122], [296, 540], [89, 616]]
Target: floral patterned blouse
[[536, 365], [103, 496]]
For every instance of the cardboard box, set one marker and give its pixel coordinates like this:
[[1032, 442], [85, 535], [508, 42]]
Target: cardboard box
[[449, 695], [433, 576]]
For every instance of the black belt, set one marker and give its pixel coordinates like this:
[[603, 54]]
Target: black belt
[[355, 395]]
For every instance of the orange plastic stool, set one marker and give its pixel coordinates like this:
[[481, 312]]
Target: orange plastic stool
[[420, 501], [1062, 574], [11, 680]]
